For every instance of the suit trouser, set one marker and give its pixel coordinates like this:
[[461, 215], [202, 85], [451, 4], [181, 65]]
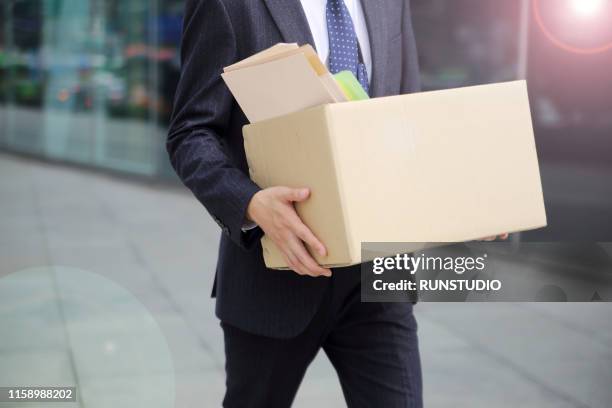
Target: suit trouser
[[372, 346]]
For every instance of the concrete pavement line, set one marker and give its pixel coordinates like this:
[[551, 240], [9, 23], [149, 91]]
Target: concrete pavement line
[[67, 338], [219, 365], [142, 261], [56, 290], [577, 328], [543, 386], [59, 305]]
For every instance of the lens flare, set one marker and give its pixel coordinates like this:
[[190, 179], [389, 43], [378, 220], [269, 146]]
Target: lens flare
[[587, 8], [580, 6]]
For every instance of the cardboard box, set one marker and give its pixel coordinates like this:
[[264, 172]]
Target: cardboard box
[[444, 166]]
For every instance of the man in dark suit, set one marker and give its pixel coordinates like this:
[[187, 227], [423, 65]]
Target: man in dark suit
[[275, 322]]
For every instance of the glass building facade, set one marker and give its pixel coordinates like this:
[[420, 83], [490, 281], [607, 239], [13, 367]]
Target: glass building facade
[[92, 81], [89, 81]]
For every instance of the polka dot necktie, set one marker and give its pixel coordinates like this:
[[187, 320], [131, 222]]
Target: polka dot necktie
[[344, 54]]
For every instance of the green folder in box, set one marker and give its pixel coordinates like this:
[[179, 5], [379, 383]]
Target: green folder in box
[[350, 86]]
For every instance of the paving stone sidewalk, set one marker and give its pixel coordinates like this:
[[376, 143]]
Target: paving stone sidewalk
[[105, 282]]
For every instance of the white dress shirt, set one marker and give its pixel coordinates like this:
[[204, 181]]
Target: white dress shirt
[[315, 11]]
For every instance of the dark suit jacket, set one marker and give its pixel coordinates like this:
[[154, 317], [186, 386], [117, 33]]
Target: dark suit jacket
[[206, 147]]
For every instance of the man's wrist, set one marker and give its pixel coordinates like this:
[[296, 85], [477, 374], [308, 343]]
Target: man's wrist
[[250, 217]]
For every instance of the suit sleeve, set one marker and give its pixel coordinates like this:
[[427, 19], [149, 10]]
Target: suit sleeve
[[202, 108], [411, 81]]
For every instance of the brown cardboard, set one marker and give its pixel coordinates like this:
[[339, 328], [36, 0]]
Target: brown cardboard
[[443, 166]]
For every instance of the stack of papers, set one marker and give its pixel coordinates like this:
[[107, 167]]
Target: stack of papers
[[283, 79]]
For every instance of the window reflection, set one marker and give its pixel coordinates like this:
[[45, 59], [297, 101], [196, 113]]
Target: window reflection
[[90, 81]]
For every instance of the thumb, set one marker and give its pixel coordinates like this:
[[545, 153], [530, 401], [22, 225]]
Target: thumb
[[297, 194]]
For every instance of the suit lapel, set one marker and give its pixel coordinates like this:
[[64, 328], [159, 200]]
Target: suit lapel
[[291, 21], [377, 31]]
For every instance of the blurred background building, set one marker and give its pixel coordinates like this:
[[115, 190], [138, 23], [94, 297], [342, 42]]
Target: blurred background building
[[89, 81]]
